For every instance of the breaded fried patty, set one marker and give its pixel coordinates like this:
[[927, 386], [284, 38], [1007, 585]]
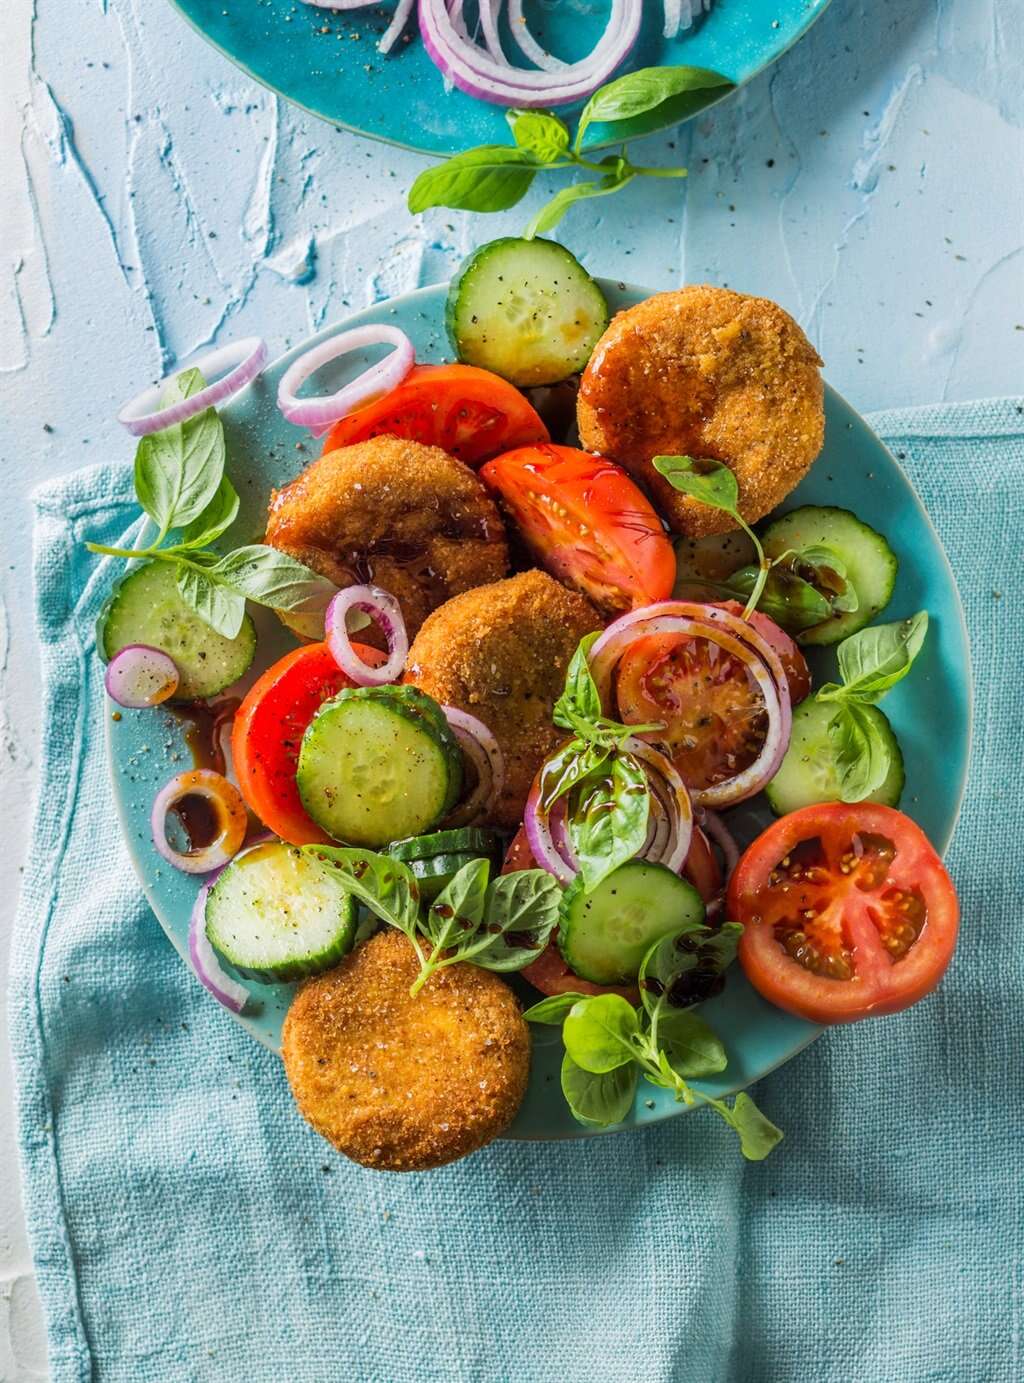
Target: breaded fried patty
[[501, 652], [705, 372], [403, 1083], [407, 517]]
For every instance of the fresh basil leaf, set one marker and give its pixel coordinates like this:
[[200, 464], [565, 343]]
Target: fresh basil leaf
[[553, 1009], [270, 577], [215, 519], [645, 90], [863, 758], [702, 479], [385, 885], [580, 696], [598, 1099], [786, 598], [875, 659], [822, 559], [686, 966], [569, 766], [539, 133], [491, 178], [552, 212], [608, 817], [178, 469], [758, 1135], [182, 386], [520, 915], [459, 908], [690, 1045], [599, 1032], [222, 609]]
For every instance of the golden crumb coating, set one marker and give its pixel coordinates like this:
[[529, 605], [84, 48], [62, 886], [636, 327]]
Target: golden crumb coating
[[407, 517], [405, 1083], [501, 652], [706, 372]]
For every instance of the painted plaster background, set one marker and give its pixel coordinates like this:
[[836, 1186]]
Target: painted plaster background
[[153, 201]]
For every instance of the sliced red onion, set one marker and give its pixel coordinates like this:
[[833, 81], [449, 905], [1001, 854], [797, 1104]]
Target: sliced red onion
[[667, 786], [526, 42], [139, 677], [209, 971], [232, 819], [483, 751], [394, 30], [383, 609], [240, 362], [537, 822], [734, 636], [319, 414], [718, 832], [474, 70]]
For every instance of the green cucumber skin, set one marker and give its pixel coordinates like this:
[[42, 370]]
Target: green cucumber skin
[[467, 840], [797, 784], [377, 826], [200, 679], [292, 966], [588, 947], [437, 872], [462, 319], [873, 573]]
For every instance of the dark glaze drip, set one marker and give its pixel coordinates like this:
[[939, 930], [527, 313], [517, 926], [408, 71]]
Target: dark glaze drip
[[199, 819], [204, 721]]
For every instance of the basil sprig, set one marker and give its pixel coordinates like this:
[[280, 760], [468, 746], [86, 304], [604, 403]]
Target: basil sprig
[[501, 924], [610, 1044], [870, 665], [181, 485], [494, 177]]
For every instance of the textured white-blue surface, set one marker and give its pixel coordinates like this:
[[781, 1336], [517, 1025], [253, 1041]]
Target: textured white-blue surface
[[152, 200]]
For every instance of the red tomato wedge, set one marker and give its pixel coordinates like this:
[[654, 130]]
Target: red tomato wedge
[[585, 521], [268, 731], [549, 972], [466, 411], [847, 911]]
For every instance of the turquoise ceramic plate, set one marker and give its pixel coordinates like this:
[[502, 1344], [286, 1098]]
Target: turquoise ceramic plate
[[328, 63], [930, 709]]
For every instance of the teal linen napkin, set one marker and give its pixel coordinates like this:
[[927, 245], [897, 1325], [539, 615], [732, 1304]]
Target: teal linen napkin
[[187, 1225]]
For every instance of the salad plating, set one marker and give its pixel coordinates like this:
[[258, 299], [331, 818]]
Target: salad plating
[[602, 708]]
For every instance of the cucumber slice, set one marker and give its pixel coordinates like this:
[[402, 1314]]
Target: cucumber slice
[[870, 562], [526, 309], [603, 936], [378, 764], [808, 775], [145, 607], [468, 840], [275, 914], [437, 872]]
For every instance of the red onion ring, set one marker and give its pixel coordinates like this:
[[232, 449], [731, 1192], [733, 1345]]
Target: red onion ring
[[475, 71], [384, 610], [717, 831], [737, 638], [139, 677], [666, 784], [211, 975], [394, 30], [233, 820], [319, 414], [484, 752], [242, 361], [537, 823]]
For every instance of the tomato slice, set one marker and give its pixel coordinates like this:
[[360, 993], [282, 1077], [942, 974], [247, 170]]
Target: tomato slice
[[549, 972], [847, 910], [468, 412], [585, 521], [268, 731], [794, 664]]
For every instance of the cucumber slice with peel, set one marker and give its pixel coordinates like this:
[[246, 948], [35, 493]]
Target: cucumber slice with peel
[[808, 774], [466, 840]]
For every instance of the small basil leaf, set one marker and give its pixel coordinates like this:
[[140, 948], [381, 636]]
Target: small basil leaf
[[702, 479], [863, 758], [758, 1135], [491, 178], [608, 818], [385, 885], [553, 1009], [215, 519], [645, 90], [179, 468], [786, 598], [272, 578], [459, 908], [539, 133], [222, 609], [580, 695], [686, 967], [875, 659], [552, 212], [598, 1099], [598, 1033], [690, 1046], [569, 766], [519, 917]]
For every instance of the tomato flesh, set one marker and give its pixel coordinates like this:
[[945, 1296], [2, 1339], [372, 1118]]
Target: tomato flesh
[[268, 730], [794, 664], [847, 911], [585, 521], [468, 412]]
